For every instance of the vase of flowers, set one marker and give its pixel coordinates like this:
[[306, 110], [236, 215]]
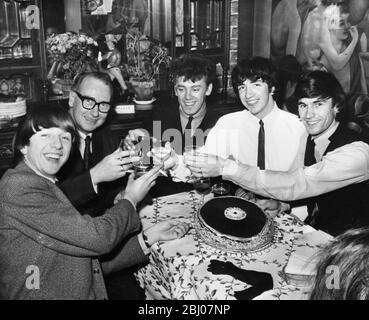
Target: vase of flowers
[[70, 54], [145, 57]]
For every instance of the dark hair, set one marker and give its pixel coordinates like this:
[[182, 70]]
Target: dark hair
[[193, 66], [254, 69], [102, 76], [349, 252], [321, 84], [41, 117]]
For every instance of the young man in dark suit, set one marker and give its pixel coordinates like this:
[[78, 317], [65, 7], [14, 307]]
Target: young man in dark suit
[[186, 121]]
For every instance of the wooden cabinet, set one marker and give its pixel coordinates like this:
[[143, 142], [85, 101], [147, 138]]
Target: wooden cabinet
[[22, 52]]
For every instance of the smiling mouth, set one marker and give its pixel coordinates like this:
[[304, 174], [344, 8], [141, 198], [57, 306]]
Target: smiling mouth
[[252, 101], [53, 156]]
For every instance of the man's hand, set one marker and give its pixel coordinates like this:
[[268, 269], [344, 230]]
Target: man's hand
[[204, 165], [113, 166], [270, 206], [137, 189], [166, 230], [119, 197], [132, 138]]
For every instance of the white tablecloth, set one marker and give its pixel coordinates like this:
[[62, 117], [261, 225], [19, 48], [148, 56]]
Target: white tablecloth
[[178, 268]]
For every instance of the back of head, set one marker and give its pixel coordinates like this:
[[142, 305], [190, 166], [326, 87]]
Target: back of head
[[321, 84], [194, 67], [254, 69], [41, 117], [289, 71], [343, 268]]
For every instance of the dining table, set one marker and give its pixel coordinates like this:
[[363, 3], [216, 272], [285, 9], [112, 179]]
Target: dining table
[[178, 269]]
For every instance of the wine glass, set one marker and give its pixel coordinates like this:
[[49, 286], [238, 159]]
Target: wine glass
[[160, 151], [202, 185]]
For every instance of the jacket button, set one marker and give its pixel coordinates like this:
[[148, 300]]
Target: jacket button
[[96, 271]]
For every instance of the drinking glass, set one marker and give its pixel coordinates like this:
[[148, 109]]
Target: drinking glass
[[191, 150], [202, 185]]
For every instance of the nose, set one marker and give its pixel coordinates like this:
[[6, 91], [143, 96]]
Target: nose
[[56, 143], [188, 95], [248, 91], [95, 111], [310, 112]]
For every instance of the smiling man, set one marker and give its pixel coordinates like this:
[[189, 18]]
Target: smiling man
[[188, 120], [261, 135], [336, 163]]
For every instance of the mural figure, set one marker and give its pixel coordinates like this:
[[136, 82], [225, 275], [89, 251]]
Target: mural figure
[[339, 44], [287, 19]]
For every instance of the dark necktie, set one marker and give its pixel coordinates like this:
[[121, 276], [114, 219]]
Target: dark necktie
[[261, 146], [87, 156], [309, 152], [308, 161], [188, 125]]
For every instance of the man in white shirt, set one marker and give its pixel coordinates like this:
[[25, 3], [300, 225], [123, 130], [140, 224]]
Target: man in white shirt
[[336, 162], [261, 135]]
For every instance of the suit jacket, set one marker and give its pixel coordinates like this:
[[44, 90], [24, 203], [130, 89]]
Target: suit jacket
[[43, 235], [76, 182], [169, 118], [347, 207]]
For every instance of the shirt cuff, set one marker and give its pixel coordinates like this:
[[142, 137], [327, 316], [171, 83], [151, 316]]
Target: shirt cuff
[[141, 241], [230, 168]]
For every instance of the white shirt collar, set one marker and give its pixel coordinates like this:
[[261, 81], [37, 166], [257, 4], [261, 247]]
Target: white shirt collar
[[327, 133], [269, 118]]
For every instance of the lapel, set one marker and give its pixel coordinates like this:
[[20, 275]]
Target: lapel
[[340, 137]]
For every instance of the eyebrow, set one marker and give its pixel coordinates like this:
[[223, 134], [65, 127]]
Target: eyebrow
[[88, 97]]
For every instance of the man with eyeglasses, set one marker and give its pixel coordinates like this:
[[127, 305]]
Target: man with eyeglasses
[[91, 178]]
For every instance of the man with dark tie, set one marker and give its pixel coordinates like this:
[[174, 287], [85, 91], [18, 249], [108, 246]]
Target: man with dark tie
[[332, 177], [261, 135], [186, 121], [91, 178]]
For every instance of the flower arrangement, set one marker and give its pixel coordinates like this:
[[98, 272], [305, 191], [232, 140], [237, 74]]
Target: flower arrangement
[[70, 53], [144, 56]]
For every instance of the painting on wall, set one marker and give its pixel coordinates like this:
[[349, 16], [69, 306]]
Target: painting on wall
[[324, 34], [103, 16]]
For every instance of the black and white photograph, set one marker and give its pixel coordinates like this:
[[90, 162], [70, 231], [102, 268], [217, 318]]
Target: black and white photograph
[[202, 152]]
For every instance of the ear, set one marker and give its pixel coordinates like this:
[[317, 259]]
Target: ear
[[72, 97], [272, 90], [209, 89], [335, 110], [24, 150]]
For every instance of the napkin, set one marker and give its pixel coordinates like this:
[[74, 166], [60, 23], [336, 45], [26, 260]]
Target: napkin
[[259, 281], [300, 269]]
